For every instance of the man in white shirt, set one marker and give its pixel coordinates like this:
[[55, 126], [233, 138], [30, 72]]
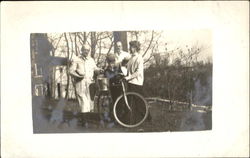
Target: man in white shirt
[[82, 70], [120, 55]]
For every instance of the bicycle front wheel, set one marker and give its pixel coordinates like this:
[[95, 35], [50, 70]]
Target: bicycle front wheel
[[133, 114]]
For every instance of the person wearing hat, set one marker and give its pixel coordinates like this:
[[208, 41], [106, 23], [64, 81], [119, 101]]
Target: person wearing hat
[[82, 70]]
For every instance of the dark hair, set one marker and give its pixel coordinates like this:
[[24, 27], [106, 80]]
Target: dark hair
[[84, 46], [110, 58], [135, 44]]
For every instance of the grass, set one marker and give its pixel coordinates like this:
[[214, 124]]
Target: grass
[[53, 116]]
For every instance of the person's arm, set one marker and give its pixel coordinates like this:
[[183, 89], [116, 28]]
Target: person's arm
[[97, 70], [138, 71], [125, 60], [72, 70]]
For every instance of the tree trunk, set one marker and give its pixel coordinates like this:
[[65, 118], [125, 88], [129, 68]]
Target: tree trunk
[[100, 51], [68, 77], [84, 37], [93, 44], [76, 47]]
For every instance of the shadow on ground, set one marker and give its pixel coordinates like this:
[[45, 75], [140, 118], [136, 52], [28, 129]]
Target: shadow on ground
[[62, 116]]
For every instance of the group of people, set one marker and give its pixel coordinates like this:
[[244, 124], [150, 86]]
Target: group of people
[[83, 68]]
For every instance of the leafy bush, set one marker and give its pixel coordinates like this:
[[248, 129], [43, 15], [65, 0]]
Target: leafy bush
[[180, 83]]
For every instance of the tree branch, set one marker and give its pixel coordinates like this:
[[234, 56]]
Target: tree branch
[[58, 42], [76, 47], [112, 44], [67, 43], [148, 59], [72, 51], [151, 40], [80, 39]]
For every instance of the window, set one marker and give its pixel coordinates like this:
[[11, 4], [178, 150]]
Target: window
[[39, 90], [38, 71]]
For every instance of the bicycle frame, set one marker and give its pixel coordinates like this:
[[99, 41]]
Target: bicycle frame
[[124, 94]]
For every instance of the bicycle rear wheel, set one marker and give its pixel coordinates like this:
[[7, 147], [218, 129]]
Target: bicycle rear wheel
[[134, 116]]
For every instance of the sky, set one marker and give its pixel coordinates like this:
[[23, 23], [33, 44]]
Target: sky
[[181, 38]]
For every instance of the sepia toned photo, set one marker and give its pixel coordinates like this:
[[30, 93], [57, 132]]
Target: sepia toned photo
[[124, 79], [121, 81]]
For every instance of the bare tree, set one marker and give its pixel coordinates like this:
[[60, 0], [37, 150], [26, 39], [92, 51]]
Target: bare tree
[[93, 44], [68, 56], [149, 45], [105, 41], [100, 49], [153, 45], [76, 47]]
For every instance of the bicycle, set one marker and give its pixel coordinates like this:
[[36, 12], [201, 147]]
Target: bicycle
[[130, 109]]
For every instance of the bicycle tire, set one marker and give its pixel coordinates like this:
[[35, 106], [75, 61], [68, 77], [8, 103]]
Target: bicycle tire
[[120, 103]]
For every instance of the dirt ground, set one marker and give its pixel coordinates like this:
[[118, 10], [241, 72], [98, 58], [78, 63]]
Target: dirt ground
[[60, 116]]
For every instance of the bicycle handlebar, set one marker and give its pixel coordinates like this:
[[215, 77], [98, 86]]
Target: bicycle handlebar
[[121, 77]]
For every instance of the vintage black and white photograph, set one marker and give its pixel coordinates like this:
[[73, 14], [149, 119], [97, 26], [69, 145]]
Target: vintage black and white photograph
[[121, 81], [124, 79]]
